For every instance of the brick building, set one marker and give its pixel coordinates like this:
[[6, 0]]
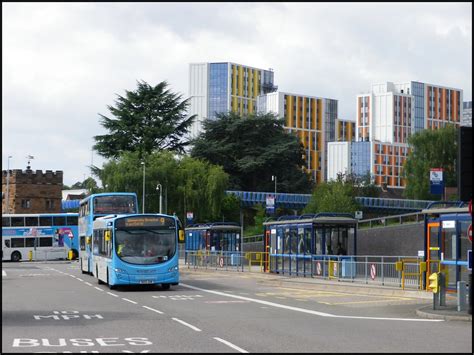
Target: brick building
[[32, 191]]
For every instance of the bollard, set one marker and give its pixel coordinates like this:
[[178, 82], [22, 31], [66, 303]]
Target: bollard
[[469, 311], [30, 255], [461, 286], [442, 289], [70, 254]]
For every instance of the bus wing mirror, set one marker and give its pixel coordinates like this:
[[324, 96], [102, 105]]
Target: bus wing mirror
[[181, 235], [107, 236], [88, 240]]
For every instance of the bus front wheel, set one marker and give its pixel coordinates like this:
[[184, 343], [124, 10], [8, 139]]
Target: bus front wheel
[[99, 281], [16, 256], [112, 287]]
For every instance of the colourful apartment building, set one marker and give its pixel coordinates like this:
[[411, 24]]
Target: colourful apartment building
[[345, 130], [385, 118], [225, 87], [312, 119]]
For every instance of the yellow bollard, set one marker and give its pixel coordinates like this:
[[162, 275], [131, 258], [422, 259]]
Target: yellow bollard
[[30, 255], [70, 254]]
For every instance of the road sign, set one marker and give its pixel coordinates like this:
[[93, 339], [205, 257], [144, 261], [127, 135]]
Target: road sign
[[469, 232], [436, 181], [373, 273]]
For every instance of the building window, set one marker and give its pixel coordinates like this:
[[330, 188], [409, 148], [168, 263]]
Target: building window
[[49, 204], [25, 203]]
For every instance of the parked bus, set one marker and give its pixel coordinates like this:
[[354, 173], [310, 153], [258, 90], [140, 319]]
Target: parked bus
[[48, 236], [99, 205], [136, 249]]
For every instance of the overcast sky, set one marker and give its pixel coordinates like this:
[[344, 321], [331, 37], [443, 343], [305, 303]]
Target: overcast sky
[[64, 63]]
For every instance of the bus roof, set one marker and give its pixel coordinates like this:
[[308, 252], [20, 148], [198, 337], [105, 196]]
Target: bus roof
[[71, 214], [323, 219], [87, 198]]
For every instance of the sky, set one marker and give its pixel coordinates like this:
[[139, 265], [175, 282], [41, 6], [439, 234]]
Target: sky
[[63, 64]]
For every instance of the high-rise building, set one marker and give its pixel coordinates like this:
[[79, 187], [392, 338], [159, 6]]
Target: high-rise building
[[345, 130], [435, 105], [466, 119], [225, 87], [387, 116], [312, 119]]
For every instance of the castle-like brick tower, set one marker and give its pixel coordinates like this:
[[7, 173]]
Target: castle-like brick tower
[[32, 191]]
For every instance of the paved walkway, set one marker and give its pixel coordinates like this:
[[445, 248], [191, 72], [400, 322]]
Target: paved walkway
[[448, 312]]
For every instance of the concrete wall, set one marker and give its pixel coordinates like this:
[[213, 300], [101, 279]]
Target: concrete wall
[[403, 240]]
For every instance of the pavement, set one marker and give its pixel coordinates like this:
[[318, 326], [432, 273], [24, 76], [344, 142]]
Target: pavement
[[449, 312]]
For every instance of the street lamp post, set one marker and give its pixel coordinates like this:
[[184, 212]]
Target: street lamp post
[[274, 178], [7, 207], [158, 186], [143, 200]]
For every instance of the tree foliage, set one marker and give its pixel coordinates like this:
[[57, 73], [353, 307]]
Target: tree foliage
[[152, 118], [251, 149], [333, 196], [430, 149], [188, 184]]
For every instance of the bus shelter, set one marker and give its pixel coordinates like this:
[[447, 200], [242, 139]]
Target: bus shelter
[[213, 239], [446, 242], [299, 245]]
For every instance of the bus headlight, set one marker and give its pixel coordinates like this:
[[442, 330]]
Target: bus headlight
[[120, 271], [174, 268]]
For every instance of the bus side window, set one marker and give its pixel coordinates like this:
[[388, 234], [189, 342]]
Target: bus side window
[[7, 243]]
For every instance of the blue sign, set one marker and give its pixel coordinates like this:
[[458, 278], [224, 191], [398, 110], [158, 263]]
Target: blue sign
[[469, 260], [270, 204], [436, 181]]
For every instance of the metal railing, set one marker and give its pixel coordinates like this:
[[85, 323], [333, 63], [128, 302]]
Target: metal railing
[[394, 271]]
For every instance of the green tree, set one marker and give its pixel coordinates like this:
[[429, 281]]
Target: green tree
[[251, 149], [152, 118], [333, 196], [188, 184], [430, 149]]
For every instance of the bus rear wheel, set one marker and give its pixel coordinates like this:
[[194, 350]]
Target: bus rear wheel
[[16, 256], [165, 286]]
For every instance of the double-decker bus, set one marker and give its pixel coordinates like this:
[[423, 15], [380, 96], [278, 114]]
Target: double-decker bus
[[136, 249], [99, 205], [47, 236]]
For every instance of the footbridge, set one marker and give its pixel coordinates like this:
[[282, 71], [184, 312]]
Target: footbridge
[[298, 201]]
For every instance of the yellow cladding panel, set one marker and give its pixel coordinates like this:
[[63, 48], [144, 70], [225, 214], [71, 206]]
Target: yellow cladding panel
[[234, 76], [255, 83], [304, 112], [250, 106], [319, 118], [313, 113], [241, 81]]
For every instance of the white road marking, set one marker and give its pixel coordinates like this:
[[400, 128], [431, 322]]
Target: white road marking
[[126, 299], [87, 283], [187, 324], [235, 347], [309, 311], [98, 288], [152, 309], [80, 279], [112, 294], [4, 273]]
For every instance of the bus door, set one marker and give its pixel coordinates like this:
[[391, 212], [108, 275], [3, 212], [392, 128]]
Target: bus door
[[433, 254]]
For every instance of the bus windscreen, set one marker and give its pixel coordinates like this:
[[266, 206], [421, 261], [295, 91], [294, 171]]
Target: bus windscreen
[[145, 239], [114, 204]]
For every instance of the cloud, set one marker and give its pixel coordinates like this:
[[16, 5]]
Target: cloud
[[64, 63]]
